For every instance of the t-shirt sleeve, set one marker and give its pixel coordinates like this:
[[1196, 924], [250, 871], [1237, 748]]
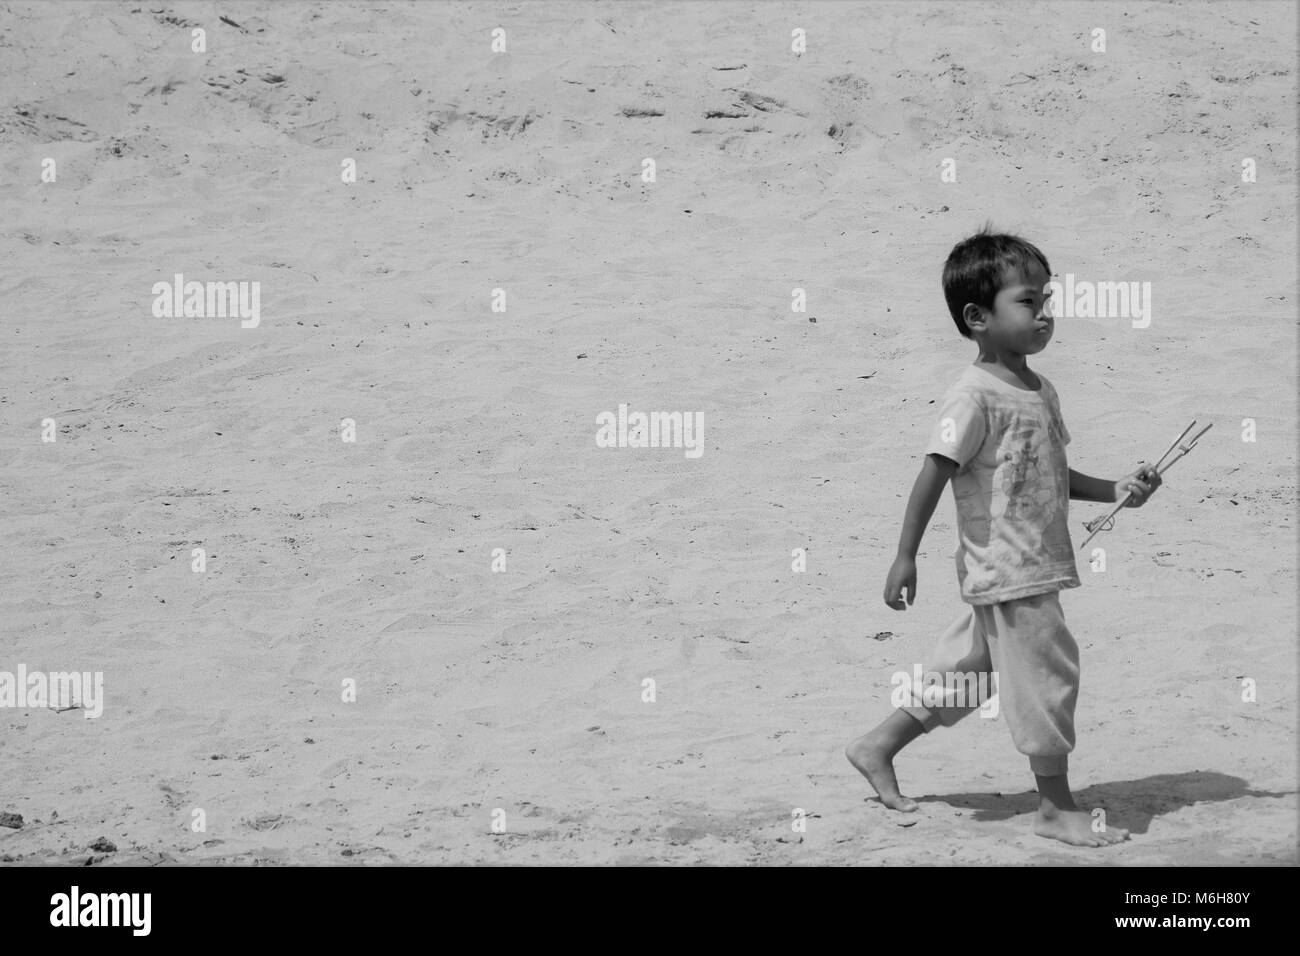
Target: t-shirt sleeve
[[960, 430]]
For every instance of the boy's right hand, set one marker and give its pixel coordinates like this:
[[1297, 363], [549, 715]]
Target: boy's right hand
[[901, 575]]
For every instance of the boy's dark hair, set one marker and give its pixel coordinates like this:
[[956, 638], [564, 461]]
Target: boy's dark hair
[[977, 266]]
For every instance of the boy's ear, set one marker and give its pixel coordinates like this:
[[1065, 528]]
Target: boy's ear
[[974, 317]]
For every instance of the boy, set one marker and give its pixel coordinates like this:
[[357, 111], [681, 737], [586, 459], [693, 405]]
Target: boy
[[1001, 440]]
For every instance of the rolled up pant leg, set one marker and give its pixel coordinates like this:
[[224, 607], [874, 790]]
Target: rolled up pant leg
[[962, 649], [1036, 660], [1037, 665]]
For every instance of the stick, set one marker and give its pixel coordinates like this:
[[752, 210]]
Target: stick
[[1161, 467]]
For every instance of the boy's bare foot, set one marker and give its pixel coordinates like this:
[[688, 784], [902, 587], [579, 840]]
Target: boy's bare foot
[[1075, 828], [873, 758], [1059, 818]]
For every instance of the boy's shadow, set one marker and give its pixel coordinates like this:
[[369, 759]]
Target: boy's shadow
[[1135, 802]]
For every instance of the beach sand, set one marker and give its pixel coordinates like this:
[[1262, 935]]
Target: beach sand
[[522, 691]]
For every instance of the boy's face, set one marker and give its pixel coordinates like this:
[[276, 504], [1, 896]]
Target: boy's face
[[1018, 321]]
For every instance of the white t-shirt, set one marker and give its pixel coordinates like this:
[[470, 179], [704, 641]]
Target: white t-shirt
[[1011, 488]]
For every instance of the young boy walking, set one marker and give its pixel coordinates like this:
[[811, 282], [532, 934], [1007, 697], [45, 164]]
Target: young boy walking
[[1000, 440]]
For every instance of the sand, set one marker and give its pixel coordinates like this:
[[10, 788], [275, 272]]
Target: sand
[[521, 691]]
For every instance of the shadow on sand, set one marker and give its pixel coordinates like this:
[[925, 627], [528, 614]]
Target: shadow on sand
[[1133, 802]]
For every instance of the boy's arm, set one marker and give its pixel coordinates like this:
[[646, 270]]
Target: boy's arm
[[1139, 485], [936, 471], [1087, 488]]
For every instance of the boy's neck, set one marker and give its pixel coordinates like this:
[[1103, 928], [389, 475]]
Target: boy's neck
[[1007, 366], [992, 355]]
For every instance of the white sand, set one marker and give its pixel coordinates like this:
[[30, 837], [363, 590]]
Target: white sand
[[522, 690]]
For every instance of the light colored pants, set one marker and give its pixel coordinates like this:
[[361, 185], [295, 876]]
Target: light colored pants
[[1026, 644]]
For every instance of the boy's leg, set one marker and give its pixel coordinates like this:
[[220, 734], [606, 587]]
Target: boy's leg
[[873, 755], [961, 648], [1060, 818], [1037, 664]]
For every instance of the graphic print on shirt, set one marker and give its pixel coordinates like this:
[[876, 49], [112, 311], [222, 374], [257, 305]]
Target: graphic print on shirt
[[1021, 457], [1026, 478]]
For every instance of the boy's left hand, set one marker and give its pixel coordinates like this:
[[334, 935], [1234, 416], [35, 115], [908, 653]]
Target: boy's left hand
[[1141, 484]]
